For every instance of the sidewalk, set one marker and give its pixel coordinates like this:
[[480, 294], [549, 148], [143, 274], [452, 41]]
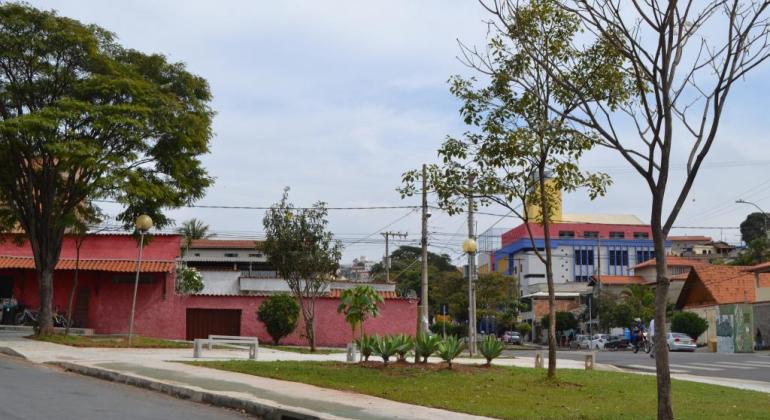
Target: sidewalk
[[154, 369]]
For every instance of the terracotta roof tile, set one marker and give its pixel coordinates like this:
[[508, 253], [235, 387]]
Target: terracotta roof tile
[[225, 244], [335, 293], [117, 266], [673, 261], [722, 284], [689, 238], [762, 268], [621, 280]]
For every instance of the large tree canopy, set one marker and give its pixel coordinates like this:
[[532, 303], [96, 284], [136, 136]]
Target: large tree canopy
[[754, 227], [83, 119]]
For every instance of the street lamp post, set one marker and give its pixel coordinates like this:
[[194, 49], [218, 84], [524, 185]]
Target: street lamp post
[[143, 223], [764, 215], [470, 247]]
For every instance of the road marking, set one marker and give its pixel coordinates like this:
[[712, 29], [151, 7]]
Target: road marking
[[729, 365], [759, 364], [690, 366], [653, 368]]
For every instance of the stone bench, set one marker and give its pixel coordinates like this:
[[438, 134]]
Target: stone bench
[[234, 341]]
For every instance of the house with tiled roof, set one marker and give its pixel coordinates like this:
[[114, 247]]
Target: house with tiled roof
[[678, 270], [727, 297]]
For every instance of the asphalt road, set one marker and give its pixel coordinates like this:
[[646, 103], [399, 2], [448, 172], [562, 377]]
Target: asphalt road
[[31, 392], [747, 366]]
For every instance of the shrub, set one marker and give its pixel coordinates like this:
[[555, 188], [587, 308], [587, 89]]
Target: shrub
[[366, 346], [451, 328], [279, 313], [425, 345], [188, 280], [450, 348], [405, 345], [490, 348], [689, 323], [386, 347], [523, 328]]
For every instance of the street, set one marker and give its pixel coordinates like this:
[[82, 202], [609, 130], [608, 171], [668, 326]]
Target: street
[[29, 392], [746, 366]]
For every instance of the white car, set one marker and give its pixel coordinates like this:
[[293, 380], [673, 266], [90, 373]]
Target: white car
[[598, 341], [580, 342], [680, 342]]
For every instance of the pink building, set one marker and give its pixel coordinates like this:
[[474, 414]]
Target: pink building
[[106, 278]]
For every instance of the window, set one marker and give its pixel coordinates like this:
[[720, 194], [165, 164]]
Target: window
[[536, 276], [584, 257], [231, 255], [591, 234], [641, 235], [131, 278], [255, 255], [642, 256], [197, 254], [582, 279], [618, 257], [566, 234], [617, 235]]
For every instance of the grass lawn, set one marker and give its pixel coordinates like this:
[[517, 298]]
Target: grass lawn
[[516, 392], [112, 341], [302, 350]]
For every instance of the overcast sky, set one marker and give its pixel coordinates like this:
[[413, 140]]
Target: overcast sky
[[337, 98]]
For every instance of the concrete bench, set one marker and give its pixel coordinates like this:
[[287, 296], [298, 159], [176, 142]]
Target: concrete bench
[[234, 341]]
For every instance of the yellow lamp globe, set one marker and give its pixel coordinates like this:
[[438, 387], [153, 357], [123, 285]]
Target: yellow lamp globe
[[469, 246], [143, 223]]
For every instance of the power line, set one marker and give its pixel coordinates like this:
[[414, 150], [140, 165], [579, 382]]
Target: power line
[[226, 207]]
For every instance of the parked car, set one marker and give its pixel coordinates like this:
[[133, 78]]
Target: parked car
[[616, 342], [598, 341], [581, 341], [512, 337], [680, 342]]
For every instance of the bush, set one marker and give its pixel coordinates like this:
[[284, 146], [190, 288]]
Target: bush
[[405, 345], [689, 323], [450, 348], [366, 346], [386, 347], [279, 313], [490, 348], [188, 280], [425, 345], [523, 328], [451, 328]]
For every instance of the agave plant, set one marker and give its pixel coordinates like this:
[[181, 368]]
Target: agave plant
[[490, 348], [450, 348], [386, 347], [405, 345], [425, 345], [366, 346]]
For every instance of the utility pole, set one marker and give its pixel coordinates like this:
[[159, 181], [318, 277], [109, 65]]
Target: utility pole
[[598, 280], [387, 236], [423, 326], [471, 277]]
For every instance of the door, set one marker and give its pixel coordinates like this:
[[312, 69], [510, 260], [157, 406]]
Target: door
[[203, 322], [80, 311]]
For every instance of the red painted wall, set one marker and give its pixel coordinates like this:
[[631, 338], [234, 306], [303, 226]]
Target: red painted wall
[[108, 247], [520, 232]]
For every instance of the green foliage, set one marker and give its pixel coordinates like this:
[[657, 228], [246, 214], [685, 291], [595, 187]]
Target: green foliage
[[279, 313], [188, 280], [564, 321], [405, 345], [407, 274], [636, 301], [387, 346], [689, 323], [491, 349], [84, 119], [358, 304], [191, 230], [754, 227], [303, 252], [451, 328], [449, 348], [366, 345], [523, 328], [425, 345], [757, 251]]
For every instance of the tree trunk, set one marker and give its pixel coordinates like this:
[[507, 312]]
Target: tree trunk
[[545, 213], [45, 312], [663, 373], [308, 312]]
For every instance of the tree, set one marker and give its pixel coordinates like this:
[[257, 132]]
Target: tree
[[674, 65], [405, 268], [193, 229], [303, 252], [757, 251], [519, 152], [279, 313], [564, 321], [641, 300], [358, 304], [754, 227], [84, 119], [689, 323]]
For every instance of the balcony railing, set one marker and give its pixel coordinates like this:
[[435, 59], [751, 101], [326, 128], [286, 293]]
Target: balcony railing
[[255, 274]]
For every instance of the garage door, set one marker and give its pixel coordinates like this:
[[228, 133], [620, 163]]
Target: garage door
[[202, 322]]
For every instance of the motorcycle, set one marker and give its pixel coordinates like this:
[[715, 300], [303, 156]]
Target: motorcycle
[[642, 343]]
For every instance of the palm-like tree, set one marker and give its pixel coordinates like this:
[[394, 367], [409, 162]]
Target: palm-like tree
[[193, 229]]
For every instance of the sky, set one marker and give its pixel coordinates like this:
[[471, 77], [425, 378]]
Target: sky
[[336, 99]]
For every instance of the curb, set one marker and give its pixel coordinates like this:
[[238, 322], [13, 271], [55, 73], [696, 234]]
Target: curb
[[11, 352], [261, 410]]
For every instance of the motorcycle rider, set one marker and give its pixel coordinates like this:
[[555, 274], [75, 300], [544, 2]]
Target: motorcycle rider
[[637, 333]]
